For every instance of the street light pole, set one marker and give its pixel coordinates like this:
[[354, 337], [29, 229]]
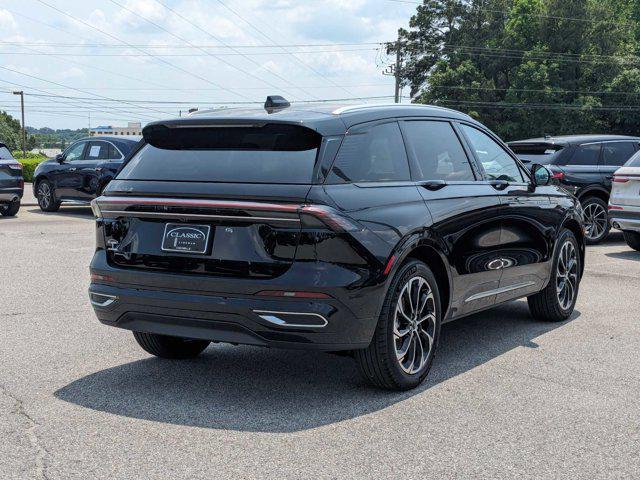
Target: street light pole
[[24, 129]]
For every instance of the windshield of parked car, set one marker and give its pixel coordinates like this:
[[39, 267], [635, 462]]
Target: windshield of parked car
[[5, 154], [265, 154]]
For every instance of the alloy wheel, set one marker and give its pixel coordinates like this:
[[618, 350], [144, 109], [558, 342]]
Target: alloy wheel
[[44, 194], [567, 275], [414, 325], [595, 217]]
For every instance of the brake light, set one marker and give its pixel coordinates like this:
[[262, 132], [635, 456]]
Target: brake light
[[557, 175], [330, 218], [282, 293], [615, 207], [620, 179], [15, 166], [96, 277]]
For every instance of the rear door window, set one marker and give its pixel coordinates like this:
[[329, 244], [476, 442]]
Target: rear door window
[[371, 154], [586, 155], [97, 151], [497, 163], [617, 153], [436, 151], [272, 153]]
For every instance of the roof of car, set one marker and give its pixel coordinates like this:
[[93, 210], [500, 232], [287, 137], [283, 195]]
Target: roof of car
[[574, 139], [325, 118], [114, 138]]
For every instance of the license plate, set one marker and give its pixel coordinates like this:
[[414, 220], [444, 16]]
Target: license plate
[[185, 238]]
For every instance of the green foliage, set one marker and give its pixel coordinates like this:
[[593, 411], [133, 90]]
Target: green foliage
[[529, 67], [9, 131], [29, 165]]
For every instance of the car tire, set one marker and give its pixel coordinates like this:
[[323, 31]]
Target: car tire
[[596, 220], [632, 239], [553, 303], [382, 362], [10, 210], [170, 347], [45, 194]]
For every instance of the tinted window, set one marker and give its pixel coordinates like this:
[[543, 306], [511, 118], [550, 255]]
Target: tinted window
[[586, 155], [74, 152], [113, 153], [497, 163], [5, 154], [268, 154], [437, 151], [543, 154], [97, 151], [374, 154], [634, 161], [617, 153]]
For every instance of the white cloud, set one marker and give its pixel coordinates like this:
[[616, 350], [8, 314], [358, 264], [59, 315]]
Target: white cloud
[[73, 72], [7, 22]]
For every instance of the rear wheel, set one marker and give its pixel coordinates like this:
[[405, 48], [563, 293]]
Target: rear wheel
[[596, 222], [170, 347], [405, 340], [632, 239], [556, 302], [46, 197], [11, 209]]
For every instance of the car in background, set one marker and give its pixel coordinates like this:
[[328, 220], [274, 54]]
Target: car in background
[[624, 203], [358, 229], [583, 165], [11, 183], [80, 173]]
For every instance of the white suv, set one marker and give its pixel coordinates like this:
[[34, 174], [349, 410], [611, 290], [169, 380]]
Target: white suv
[[624, 202]]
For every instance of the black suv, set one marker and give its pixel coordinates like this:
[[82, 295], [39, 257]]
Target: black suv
[[11, 183], [357, 229], [80, 173], [584, 165]]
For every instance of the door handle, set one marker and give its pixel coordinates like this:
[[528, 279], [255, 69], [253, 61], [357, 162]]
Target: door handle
[[72, 169], [433, 185], [499, 184], [609, 177]]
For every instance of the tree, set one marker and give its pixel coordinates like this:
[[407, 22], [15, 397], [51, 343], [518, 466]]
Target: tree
[[10, 132]]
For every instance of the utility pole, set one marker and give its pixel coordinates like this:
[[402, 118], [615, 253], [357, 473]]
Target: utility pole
[[24, 129], [398, 69]]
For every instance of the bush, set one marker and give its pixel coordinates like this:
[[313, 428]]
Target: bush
[[29, 166]]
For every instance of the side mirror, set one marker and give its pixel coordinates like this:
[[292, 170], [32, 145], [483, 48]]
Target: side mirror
[[541, 175], [60, 158]]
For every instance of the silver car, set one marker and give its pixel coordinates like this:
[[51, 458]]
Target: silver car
[[624, 202]]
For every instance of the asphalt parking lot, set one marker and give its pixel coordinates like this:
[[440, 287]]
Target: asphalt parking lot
[[507, 397]]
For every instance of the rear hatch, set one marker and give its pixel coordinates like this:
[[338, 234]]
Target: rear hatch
[[10, 172], [211, 199], [625, 188]]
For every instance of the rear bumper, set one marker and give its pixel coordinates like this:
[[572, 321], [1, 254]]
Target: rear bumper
[[628, 218], [9, 194], [317, 324]]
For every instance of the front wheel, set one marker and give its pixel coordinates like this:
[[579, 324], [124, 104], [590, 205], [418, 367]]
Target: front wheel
[[632, 239], [46, 197], [10, 210], [170, 347], [556, 302], [406, 336]]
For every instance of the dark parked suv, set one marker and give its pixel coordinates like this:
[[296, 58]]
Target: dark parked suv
[[11, 183], [357, 229], [80, 173], [584, 165]]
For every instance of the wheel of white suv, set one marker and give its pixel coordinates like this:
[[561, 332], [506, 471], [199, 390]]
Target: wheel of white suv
[[46, 197], [10, 210], [632, 239], [170, 347], [556, 302], [596, 221], [406, 337]]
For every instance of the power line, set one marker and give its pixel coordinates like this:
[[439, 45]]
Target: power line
[[187, 47], [308, 52], [538, 106], [139, 49]]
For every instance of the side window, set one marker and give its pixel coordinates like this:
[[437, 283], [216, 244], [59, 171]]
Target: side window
[[586, 155], [437, 151], [617, 153], [113, 153], [75, 152], [497, 163], [373, 154], [97, 151]]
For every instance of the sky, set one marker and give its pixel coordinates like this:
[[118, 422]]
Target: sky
[[84, 63]]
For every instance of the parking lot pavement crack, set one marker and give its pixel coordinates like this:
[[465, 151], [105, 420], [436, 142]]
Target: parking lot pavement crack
[[41, 452]]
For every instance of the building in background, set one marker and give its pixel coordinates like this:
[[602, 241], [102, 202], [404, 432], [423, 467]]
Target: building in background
[[133, 128]]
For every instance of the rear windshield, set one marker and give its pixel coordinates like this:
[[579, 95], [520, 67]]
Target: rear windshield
[[264, 154], [542, 153], [5, 154], [634, 161]]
